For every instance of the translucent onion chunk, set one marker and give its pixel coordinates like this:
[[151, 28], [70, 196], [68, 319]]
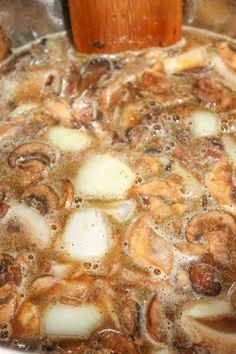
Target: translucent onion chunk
[[68, 140], [104, 177], [68, 320], [204, 123], [87, 235]]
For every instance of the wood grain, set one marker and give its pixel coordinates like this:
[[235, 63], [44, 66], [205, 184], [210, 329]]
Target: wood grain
[[109, 26]]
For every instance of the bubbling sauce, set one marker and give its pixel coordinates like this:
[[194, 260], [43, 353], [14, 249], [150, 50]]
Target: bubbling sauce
[[118, 198]]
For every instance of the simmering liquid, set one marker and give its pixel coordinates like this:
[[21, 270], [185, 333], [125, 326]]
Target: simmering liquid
[[118, 198]]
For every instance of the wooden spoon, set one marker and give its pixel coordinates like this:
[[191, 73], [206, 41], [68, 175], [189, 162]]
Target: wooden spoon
[[111, 26]]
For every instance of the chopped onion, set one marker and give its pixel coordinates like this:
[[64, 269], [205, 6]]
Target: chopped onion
[[211, 308], [34, 223], [230, 147], [68, 140], [121, 211], [225, 71], [204, 123], [68, 320], [189, 60], [104, 177], [61, 270], [86, 235]]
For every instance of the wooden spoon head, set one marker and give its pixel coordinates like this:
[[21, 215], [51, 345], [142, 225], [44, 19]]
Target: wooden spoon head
[[111, 26]]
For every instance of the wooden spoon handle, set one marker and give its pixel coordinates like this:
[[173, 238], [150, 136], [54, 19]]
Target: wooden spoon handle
[[110, 26]]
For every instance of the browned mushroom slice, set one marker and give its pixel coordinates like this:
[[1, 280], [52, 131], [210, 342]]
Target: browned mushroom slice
[[84, 109], [3, 209], [232, 296], [10, 271], [4, 45], [67, 193], [59, 110], [204, 279], [155, 321], [156, 82], [8, 302], [215, 231], [32, 158], [41, 197], [211, 322], [149, 249], [227, 53], [114, 342], [93, 72], [130, 315], [27, 322], [211, 91]]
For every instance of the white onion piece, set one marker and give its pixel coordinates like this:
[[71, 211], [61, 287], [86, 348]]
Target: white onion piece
[[204, 123], [191, 59], [121, 211], [68, 140], [86, 235], [209, 308], [193, 187], [223, 69], [34, 223], [23, 109], [67, 320], [230, 147], [61, 270], [161, 351], [104, 177], [9, 87]]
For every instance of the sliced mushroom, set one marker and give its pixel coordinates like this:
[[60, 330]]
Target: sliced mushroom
[[41, 197], [131, 115], [204, 279], [155, 321], [114, 342], [35, 224], [3, 210], [212, 91], [10, 271], [227, 53], [32, 158], [42, 284], [60, 110], [156, 82], [27, 321], [215, 231], [130, 315], [84, 109], [149, 249], [232, 296], [93, 72], [67, 193], [4, 45], [221, 186], [212, 323], [9, 300]]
